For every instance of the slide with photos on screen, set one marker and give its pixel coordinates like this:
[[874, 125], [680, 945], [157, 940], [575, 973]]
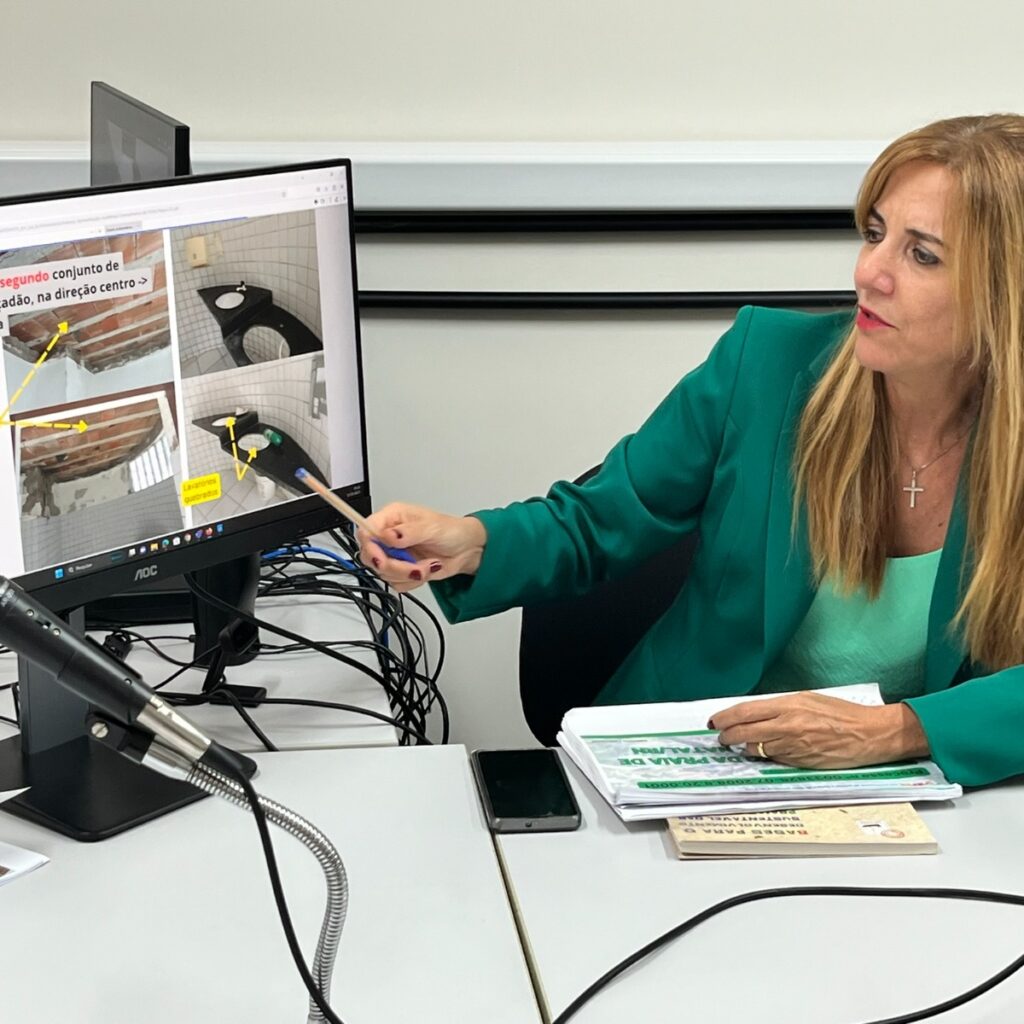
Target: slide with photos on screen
[[159, 383]]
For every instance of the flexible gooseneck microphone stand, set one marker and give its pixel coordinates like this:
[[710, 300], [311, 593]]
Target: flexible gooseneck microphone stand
[[214, 782], [137, 723]]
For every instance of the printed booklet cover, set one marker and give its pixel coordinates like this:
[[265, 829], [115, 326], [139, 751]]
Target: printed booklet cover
[[866, 829]]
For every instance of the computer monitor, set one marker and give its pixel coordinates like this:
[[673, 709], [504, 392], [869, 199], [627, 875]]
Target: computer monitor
[[130, 141], [172, 353]]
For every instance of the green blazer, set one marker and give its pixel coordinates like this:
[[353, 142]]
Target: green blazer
[[715, 456]]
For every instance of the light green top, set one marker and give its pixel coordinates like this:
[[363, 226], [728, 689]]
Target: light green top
[[853, 640]]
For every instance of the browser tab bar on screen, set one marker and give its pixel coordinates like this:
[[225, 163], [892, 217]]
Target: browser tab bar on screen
[[174, 205]]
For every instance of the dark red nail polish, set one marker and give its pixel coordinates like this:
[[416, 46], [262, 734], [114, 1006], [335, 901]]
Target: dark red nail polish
[[416, 575], [435, 566], [376, 563], [711, 724]]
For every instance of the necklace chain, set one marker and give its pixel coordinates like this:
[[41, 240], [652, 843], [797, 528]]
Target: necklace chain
[[914, 489], [945, 451]]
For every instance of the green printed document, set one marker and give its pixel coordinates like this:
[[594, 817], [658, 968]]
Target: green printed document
[[661, 760]]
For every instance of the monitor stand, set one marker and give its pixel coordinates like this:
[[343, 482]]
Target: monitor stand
[[78, 787], [169, 601], [85, 790], [222, 639]]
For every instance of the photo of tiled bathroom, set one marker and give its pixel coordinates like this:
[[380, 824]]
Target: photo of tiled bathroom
[[80, 487], [255, 427], [246, 292]]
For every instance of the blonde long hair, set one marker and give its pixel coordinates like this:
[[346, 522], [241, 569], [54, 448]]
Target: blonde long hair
[[845, 459]]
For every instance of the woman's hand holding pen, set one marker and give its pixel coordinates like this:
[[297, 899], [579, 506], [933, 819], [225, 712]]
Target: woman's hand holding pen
[[443, 545]]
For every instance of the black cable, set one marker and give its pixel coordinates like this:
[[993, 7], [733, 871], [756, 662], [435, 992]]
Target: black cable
[[194, 663], [279, 898], [150, 642], [411, 692], [270, 650], [411, 716], [9, 721], [351, 594], [225, 694], [363, 598], [215, 696], [438, 696], [309, 702], [196, 699], [190, 699], [981, 895], [347, 542]]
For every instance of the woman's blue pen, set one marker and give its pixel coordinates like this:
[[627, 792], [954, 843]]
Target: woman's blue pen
[[350, 514], [398, 553]]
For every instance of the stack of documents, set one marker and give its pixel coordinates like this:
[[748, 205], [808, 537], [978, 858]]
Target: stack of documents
[[661, 760]]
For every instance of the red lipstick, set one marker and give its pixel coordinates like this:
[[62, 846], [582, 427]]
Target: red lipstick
[[869, 321]]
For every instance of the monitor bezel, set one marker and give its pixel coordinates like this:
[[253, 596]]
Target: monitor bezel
[[138, 113], [266, 528]]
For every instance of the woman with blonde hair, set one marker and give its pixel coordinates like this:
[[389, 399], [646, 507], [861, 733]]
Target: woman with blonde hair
[[856, 481]]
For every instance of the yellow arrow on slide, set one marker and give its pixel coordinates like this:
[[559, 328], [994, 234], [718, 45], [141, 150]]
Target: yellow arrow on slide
[[245, 468], [81, 426], [62, 328], [240, 466]]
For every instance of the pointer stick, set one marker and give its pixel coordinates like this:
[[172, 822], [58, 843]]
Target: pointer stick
[[351, 514]]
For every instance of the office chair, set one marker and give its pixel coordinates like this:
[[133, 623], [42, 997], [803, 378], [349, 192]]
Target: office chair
[[569, 649]]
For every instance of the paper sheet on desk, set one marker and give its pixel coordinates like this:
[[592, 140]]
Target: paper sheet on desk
[[15, 862], [658, 760]]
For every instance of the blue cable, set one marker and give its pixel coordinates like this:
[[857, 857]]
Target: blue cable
[[326, 552], [297, 548]]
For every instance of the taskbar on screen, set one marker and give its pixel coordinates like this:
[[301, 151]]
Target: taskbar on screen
[[267, 528]]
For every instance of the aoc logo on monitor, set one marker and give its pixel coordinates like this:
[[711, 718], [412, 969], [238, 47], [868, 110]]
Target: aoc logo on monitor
[[147, 572]]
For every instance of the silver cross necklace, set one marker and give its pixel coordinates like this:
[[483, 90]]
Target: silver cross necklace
[[914, 490]]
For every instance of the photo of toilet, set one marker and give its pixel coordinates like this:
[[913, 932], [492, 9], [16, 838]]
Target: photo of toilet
[[86, 470], [253, 427], [246, 292]]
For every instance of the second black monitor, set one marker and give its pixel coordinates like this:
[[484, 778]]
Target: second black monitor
[[131, 141]]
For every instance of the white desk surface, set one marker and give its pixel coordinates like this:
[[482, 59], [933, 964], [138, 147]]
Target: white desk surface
[[305, 674], [586, 900], [174, 921]]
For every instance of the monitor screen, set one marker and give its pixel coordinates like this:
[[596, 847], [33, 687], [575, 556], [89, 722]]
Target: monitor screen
[[129, 141], [172, 353]]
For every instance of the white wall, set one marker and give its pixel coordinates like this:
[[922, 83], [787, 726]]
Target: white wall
[[533, 69], [469, 411]]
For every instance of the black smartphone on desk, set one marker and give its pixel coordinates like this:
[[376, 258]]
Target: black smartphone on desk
[[525, 791]]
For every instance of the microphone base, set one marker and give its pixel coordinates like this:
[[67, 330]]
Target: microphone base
[[86, 791]]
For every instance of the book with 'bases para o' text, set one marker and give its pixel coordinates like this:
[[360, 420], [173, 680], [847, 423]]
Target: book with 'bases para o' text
[[863, 829]]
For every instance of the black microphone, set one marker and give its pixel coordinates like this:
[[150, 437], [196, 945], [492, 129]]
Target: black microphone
[[80, 664]]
